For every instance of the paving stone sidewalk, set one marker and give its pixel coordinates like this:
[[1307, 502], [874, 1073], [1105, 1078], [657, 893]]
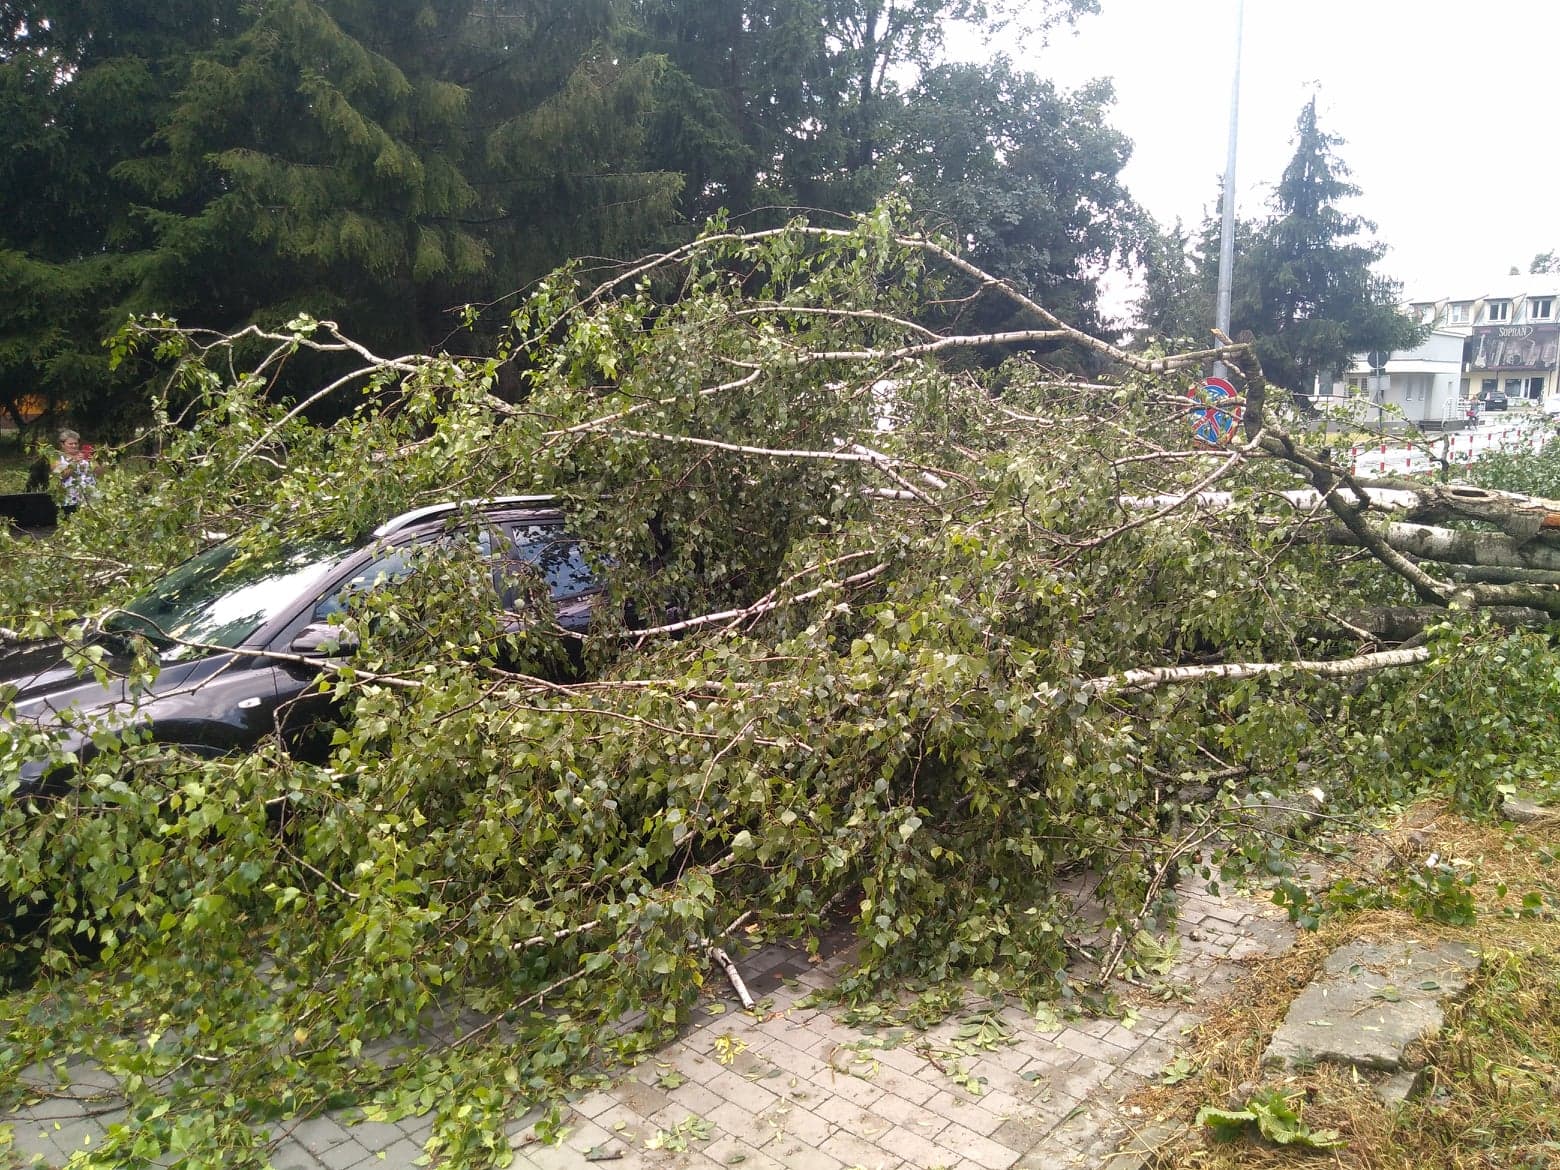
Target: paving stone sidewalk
[[793, 1087]]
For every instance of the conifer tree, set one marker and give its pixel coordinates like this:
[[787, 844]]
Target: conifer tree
[[84, 85], [385, 162], [1320, 301], [1304, 284]]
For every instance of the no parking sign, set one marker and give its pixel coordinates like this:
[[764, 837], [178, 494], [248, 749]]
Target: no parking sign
[[1212, 424]]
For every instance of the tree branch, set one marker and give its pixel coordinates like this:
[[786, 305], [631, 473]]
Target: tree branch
[[1149, 679]]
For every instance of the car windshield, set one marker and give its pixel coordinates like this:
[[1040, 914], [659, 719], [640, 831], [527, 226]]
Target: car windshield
[[220, 598]]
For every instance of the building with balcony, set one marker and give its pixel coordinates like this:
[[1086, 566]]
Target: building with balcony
[[1511, 336], [1504, 340]]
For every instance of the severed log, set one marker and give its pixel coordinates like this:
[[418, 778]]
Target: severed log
[[1503, 575], [1401, 623], [1520, 517], [1459, 546], [1523, 518]]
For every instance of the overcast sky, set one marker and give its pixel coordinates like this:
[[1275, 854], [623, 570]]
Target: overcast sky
[[1450, 115]]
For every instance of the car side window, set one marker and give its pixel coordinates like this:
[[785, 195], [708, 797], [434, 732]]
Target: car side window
[[556, 556], [390, 569], [396, 565]]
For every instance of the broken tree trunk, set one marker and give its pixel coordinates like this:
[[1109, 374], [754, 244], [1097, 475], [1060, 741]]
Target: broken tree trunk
[[1460, 546], [1403, 623]]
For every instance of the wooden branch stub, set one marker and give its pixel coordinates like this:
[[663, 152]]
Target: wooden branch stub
[[724, 961]]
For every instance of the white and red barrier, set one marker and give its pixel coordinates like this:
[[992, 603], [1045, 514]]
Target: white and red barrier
[[1454, 448]]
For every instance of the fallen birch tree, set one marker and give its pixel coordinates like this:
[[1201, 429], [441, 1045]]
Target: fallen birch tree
[[901, 626]]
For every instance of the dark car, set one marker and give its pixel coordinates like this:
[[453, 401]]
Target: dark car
[[1493, 400], [218, 621]]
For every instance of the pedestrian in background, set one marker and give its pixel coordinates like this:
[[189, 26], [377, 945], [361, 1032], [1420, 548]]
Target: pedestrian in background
[[73, 467]]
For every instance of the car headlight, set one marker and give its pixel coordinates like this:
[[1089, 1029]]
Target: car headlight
[[31, 774], [45, 762]]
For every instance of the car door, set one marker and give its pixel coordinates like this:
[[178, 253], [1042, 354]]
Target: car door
[[305, 711], [222, 703]]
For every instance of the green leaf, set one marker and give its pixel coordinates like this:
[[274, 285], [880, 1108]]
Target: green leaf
[[1227, 1124]]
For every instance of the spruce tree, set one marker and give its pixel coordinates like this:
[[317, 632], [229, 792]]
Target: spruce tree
[[386, 162], [1309, 272], [1304, 284], [84, 84]]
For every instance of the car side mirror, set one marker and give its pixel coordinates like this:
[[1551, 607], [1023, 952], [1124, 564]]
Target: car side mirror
[[322, 640]]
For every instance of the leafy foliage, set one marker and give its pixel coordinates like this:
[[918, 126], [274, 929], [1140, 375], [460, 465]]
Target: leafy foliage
[[1274, 1116], [861, 661], [1027, 174], [1535, 473]]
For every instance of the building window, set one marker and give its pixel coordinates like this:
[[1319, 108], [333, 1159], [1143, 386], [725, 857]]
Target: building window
[[1489, 386], [1535, 388], [1540, 308], [1457, 312], [1513, 387], [1498, 311], [1462, 387]]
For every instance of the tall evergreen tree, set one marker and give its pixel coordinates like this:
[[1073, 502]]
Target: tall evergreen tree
[[1304, 284], [745, 80], [1320, 301], [385, 161], [84, 85]]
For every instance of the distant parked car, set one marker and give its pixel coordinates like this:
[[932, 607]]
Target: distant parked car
[[1493, 400]]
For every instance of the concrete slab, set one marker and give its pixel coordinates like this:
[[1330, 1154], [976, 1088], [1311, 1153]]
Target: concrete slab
[[1525, 812], [1371, 1004]]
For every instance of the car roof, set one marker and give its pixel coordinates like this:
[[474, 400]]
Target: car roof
[[454, 507]]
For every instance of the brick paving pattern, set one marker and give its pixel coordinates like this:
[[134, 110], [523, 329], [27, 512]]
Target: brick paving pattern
[[792, 1087]]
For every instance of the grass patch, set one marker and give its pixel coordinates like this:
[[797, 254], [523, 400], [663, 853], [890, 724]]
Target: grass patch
[[14, 464], [1492, 1079]]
